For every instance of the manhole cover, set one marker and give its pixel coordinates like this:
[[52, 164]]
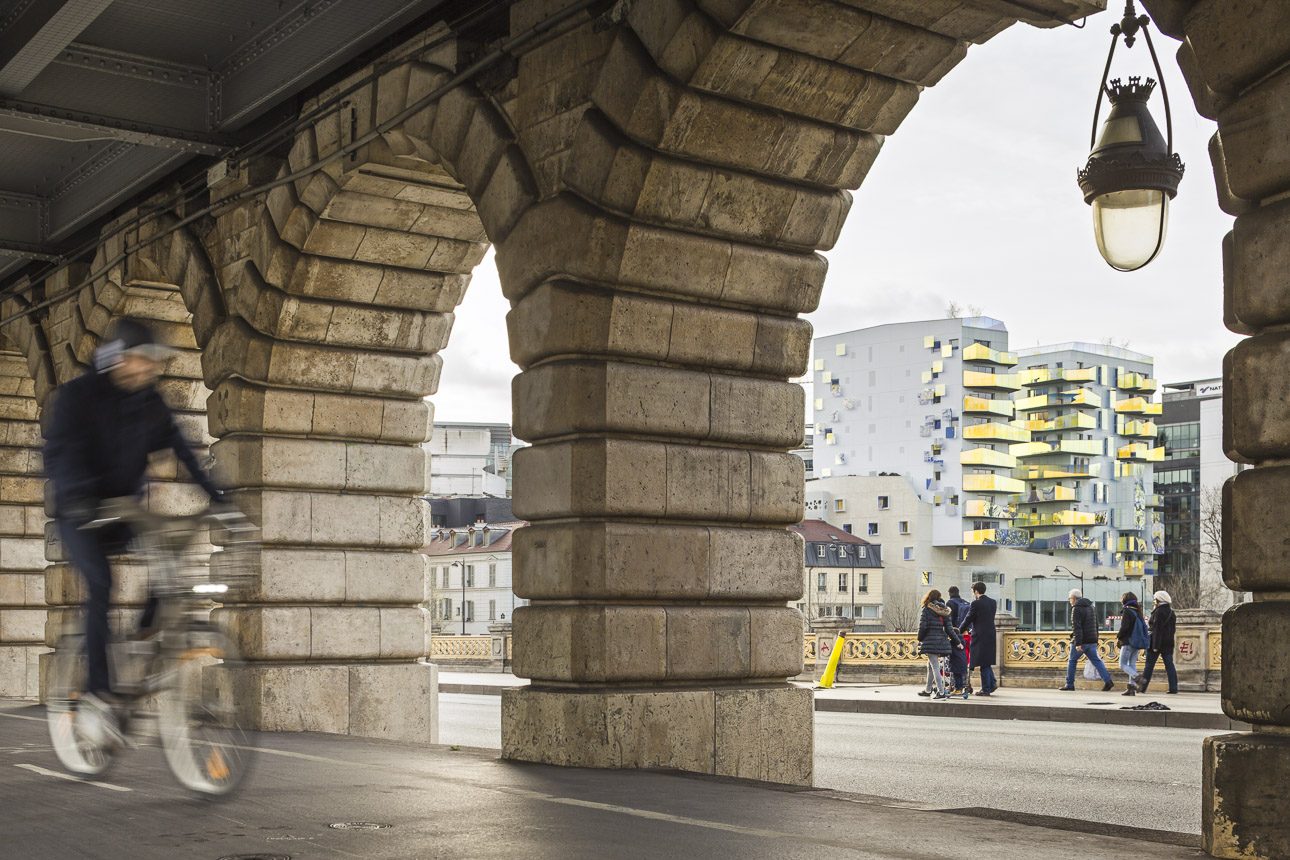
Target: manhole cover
[[358, 825], [256, 857]]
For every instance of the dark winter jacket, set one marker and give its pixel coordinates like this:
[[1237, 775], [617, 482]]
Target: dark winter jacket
[[98, 441], [1083, 623], [1129, 615], [932, 636], [958, 610], [980, 619], [1163, 624], [958, 653]]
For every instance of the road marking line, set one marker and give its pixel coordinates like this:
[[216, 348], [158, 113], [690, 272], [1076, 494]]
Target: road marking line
[[21, 717], [43, 772]]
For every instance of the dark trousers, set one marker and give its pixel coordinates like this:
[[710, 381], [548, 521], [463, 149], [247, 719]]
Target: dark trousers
[[988, 682], [89, 552], [1170, 672]]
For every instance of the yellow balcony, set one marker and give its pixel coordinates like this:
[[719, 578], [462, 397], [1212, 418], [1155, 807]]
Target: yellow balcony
[[1136, 382], [1140, 429], [1133, 544], [1130, 470], [981, 352], [1155, 500], [1057, 518], [986, 457], [1134, 568], [1043, 375], [979, 536], [992, 484], [986, 509], [996, 431], [997, 381], [1041, 495], [1141, 451], [1044, 473], [979, 405], [1077, 398], [1084, 447], [1074, 421], [1138, 406]]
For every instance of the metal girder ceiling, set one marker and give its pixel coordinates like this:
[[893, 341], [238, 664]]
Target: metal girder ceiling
[[101, 98]]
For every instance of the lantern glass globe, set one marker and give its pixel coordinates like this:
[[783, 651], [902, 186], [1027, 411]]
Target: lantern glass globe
[[1130, 226]]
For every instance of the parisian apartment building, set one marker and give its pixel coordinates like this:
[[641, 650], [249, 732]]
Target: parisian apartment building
[[469, 585], [1046, 450], [843, 574]]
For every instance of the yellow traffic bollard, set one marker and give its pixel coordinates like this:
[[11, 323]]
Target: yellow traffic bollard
[[831, 668]]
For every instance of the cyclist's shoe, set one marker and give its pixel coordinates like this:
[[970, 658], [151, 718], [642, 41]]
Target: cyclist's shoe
[[98, 722]]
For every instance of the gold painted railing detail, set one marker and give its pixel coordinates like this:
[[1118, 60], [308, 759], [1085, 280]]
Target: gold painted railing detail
[[1053, 649], [480, 647], [881, 648], [808, 648], [1216, 649]]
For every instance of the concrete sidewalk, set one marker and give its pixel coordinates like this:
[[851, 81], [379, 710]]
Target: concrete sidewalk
[[1186, 710], [406, 801]]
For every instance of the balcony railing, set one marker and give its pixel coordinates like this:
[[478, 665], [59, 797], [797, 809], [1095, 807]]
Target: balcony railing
[[1040, 495], [1082, 397], [1047, 472], [996, 537], [999, 381], [987, 457], [1138, 406], [1140, 429], [1141, 451], [1042, 375], [1136, 382], [1132, 544], [1084, 447], [1060, 518], [992, 484], [992, 407], [987, 509], [981, 352], [996, 431]]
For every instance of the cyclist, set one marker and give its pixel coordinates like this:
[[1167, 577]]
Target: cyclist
[[105, 423]]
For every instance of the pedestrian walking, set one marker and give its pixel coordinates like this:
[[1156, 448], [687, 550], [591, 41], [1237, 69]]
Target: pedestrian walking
[[1084, 641], [982, 652], [958, 656], [1133, 639], [1163, 624], [934, 641]]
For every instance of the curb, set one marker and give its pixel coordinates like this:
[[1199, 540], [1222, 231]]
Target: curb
[[965, 710]]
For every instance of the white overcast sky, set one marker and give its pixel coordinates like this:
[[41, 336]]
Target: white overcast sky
[[974, 200]]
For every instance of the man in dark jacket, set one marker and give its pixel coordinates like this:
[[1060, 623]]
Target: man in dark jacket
[[104, 425], [980, 618], [958, 660], [1163, 624], [1084, 641]]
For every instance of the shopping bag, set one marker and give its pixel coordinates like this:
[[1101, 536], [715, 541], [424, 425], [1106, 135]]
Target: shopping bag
[[1090, 671]]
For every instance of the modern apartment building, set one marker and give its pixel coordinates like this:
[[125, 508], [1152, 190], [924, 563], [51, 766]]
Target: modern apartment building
[[1189, 479], [1046, 449], [470, 460]]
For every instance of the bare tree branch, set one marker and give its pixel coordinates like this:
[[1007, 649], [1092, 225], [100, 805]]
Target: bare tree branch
[[901, 610]]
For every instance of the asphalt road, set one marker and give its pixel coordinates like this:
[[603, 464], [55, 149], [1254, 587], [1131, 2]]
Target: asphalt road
[[1136, 776]]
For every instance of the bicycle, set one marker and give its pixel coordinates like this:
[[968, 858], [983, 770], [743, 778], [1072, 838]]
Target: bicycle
[[178, 669]]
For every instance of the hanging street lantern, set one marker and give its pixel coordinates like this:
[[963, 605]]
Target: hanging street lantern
[[1132, 171]]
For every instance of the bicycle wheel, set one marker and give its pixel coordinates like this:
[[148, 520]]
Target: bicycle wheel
[[201, 733], [77, 742]]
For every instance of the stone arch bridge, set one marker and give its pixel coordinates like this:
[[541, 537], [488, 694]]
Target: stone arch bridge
[[658, 177]]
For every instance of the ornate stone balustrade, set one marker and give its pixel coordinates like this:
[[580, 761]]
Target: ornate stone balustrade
[[461, 648], [1052, 649]]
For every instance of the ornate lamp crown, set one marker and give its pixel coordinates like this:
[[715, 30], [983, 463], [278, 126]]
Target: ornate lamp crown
[[1134, 91]]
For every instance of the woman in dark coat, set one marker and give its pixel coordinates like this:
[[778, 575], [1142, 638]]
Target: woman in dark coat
[[1130, 612], [1163, 623], [980, 619], [934, 640]]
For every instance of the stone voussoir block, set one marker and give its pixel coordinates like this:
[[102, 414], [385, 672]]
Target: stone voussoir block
[[1256, 402], [1258, 258], [237, 406], [316, 519], [619, 477], [1254, 129], [246, 461], [1255, 556], [1256, 678]]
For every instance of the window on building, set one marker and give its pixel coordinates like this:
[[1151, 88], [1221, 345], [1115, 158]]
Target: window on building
[[883, 502], [447, 608], [904, 527], [821, 582], [839, 505], [963, 553], [862, 582], [909, 553], [821, 551], [492, 576], [492, 610], [846, 527], [862, 552], [870, 611], [842, 550], [842, 582], [445, 576], [873, 528], [470, 576]]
